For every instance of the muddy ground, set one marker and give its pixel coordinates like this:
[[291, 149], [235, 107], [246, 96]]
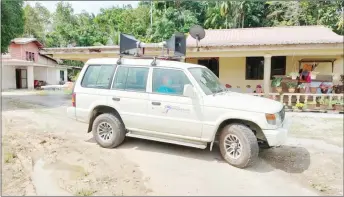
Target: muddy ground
[[45, 153]]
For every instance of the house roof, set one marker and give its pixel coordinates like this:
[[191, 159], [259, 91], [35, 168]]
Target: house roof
[[27, 40], [267, 36]]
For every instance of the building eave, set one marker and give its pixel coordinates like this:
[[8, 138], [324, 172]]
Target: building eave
[[82, 53]]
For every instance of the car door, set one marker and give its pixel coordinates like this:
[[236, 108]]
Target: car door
[[129, 97], [171, 112]]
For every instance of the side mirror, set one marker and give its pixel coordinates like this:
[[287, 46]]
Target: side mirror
[[189, 91]]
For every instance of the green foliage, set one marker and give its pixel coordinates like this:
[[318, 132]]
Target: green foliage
[[312, 103], [276, 82], [64, 28], [337, 102], [12, 22], [299, 105], [37, 20], [291, 84], [324, 101]]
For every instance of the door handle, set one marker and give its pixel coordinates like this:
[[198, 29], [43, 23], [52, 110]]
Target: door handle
[[116, 99], [156, 103]]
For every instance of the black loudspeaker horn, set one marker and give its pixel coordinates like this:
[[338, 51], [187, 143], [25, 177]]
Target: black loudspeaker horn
[[177, 43], [127, 42]]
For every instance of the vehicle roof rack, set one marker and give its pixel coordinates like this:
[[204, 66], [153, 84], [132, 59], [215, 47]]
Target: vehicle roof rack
[[130, 47], [154, 58]]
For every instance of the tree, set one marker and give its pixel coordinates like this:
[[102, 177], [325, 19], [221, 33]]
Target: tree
[[64, 26], [37, 21], [12, 22], [172, 21]]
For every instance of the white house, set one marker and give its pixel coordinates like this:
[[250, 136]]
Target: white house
[[23, 65]]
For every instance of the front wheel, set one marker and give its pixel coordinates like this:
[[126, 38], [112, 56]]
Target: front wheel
[[108, 130], [238, 145]]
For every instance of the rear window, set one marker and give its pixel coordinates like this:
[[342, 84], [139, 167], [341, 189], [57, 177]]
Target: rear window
[[98, 76]]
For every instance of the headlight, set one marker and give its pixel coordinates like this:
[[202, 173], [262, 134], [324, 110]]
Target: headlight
[[273, 119]]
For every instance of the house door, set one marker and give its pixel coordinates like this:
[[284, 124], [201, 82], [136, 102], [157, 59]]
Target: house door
[[62, 78], [212, 64], [21, 78]]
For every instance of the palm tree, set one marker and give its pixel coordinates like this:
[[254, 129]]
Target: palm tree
[[213, 17]]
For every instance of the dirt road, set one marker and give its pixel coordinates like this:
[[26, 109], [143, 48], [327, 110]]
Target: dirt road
[[46, 153]]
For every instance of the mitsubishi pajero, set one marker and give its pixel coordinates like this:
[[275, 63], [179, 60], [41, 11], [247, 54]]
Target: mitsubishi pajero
[[174, 102]]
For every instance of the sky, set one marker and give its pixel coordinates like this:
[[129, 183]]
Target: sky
[[89, 6]]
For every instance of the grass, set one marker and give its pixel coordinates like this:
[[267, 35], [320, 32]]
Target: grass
[[9, 157], [85, 192]]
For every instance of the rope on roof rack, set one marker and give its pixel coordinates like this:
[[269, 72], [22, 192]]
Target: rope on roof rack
[[119, 61], [153, 62]]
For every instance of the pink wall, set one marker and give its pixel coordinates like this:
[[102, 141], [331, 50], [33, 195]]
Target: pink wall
[[18, 51]]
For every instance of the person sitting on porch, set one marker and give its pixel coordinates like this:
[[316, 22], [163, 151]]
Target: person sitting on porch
[[305, 77]]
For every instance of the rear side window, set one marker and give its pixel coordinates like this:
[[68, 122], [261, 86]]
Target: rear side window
[[98, 76], [131, 78]]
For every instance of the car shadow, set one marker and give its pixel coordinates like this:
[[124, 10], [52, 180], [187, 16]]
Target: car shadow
[[290, 159]]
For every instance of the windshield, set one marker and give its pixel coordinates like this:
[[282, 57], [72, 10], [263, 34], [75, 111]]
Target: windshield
[[208, 81]]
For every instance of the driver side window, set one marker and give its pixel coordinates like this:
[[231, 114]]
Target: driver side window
[[169, 81]]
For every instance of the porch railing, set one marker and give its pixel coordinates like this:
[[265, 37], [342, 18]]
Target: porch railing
[[290, 98]]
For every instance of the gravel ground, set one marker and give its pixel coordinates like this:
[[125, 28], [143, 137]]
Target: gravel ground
[[39, 141]]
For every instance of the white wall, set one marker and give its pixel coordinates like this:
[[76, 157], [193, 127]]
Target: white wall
[[40, 73], [52, 76], [58, 74], [8, 77]]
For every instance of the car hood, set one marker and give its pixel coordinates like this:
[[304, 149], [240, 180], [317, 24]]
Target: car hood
[[245, 102]]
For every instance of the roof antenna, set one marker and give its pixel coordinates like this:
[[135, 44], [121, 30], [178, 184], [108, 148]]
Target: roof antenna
[[198, 33], [153, 62], [119, 61]]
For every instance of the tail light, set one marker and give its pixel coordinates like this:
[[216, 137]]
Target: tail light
[[74, 99]]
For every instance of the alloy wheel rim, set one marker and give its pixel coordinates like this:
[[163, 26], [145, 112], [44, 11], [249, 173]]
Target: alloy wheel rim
[[105, 131], [232, 146]]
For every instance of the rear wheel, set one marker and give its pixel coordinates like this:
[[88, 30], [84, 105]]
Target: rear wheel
[[238, 145], [108, 130]]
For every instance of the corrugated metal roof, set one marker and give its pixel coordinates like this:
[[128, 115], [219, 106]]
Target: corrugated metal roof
[[267, 36], [27, 40]]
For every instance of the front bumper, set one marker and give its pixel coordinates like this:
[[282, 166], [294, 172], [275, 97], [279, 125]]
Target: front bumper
[[277, 137]]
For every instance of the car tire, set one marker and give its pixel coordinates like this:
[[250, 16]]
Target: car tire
[[108, 130], [235, 139]]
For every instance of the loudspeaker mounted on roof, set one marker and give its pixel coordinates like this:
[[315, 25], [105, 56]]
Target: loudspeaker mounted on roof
[[129, 45]]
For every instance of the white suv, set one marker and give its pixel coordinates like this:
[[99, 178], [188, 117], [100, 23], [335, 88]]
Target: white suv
[[173, 102]]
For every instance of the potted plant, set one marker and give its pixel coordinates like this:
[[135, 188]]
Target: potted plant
[[311, 105], [339, 105], [302, 88], [324, 103], [314, 75], [299, 106], [291, 86], [276, 84], [294, 75]]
